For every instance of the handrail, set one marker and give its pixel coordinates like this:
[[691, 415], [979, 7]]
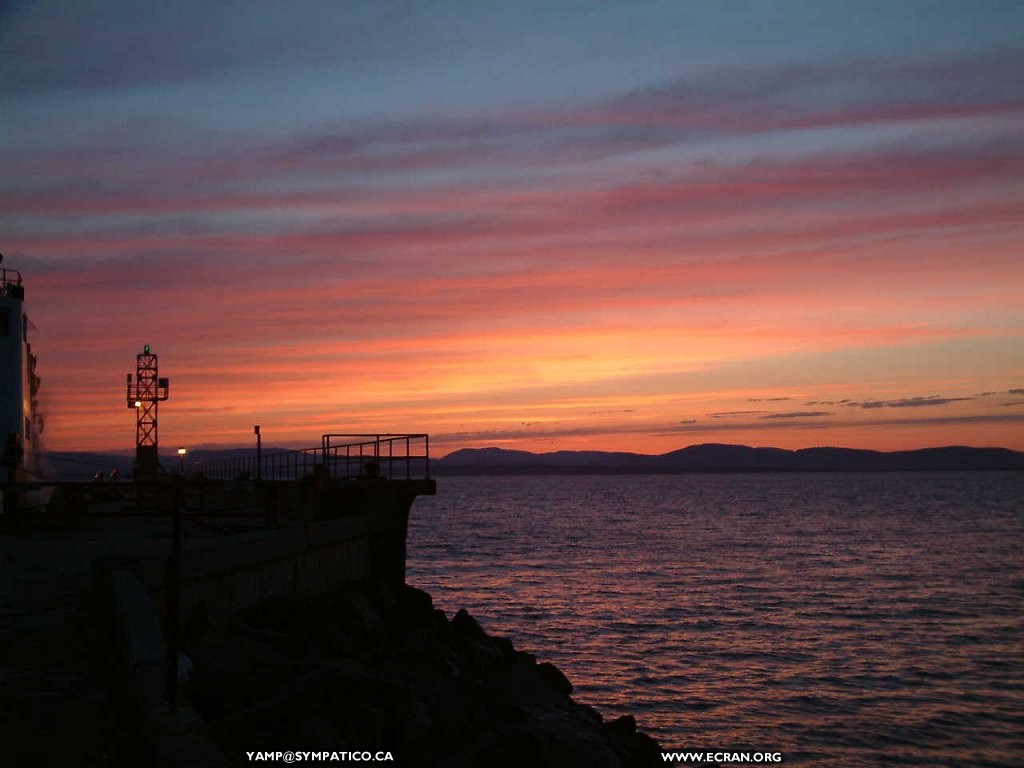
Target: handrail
[[390, 456], [5, 282]]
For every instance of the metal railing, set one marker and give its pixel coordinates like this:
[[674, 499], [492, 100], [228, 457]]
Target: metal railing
[[340, 456], [6, 282], [280, 465], [392, 456]]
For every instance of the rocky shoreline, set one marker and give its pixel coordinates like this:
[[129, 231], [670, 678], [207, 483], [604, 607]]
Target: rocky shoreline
[[383, 670]]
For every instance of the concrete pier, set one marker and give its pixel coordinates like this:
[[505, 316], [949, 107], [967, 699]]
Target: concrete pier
[[86, 608]]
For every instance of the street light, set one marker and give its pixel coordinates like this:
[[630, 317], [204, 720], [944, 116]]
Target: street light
[[181, 458]]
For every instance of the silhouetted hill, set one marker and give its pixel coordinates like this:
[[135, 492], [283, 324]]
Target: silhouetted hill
[[83, 465], [524, 460], [713, 457], [707, 457]]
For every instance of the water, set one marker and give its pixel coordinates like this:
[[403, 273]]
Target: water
[[844, 619]]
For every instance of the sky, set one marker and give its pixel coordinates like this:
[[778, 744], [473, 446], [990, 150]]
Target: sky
[[537, 225]]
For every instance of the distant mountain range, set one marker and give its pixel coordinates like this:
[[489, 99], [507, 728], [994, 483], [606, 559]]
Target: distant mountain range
[[713, 457], [708, 457], [83, 465]]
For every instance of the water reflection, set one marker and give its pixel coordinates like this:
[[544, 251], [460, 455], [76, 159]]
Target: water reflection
[[845, 618]]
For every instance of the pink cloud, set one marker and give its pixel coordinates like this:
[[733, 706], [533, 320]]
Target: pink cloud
[[523, 270]]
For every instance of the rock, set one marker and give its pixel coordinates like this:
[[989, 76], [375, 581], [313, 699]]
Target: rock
[[524, 659], [638, 748], [440, 620], [415, 605], [553, 677], [483, 656], [396, 673], [623, 727], [466, 625], [644, 750], [505, 647]]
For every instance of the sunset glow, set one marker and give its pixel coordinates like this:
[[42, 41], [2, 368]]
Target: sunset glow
[[632, 226]]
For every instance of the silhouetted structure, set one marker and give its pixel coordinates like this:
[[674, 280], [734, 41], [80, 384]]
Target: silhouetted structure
[[149, 390], [20, 423]]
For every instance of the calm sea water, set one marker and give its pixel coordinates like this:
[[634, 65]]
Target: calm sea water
[[844, 619]]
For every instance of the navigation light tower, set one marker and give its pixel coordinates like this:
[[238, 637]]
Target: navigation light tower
[[146, 394]]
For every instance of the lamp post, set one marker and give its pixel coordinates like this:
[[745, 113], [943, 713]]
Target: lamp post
[[181, 458], [259, 453]]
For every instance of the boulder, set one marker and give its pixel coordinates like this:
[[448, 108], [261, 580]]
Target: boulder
[[391, 671], [554, 677]]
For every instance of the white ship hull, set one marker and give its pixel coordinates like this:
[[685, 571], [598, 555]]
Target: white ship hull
[[20, 422]]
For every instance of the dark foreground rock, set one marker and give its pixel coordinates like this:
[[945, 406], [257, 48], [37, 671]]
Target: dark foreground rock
[[386, 671]]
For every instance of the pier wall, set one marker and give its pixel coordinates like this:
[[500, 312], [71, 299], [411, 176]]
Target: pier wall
[[359, 537]]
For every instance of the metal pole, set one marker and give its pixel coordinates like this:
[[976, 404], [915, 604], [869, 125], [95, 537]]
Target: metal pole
[[174, 600], [259, 453]]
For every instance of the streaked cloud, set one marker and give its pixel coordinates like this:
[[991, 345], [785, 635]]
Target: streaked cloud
[[466, 222], [797, 415], [912, 402]]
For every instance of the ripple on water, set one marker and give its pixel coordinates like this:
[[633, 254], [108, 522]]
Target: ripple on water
[[845, 619]]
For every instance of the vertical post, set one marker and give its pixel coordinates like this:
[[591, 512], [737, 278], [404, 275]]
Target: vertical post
[[270, 502], [174, 599], [259, 453]]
